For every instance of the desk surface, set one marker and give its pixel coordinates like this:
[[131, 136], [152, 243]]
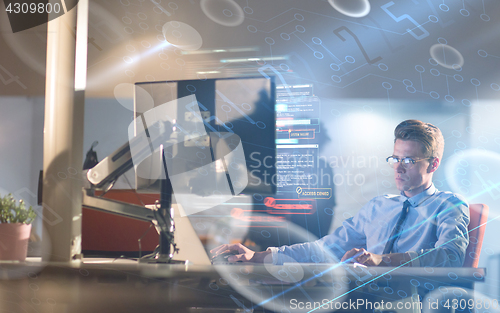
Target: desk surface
[[126, 286]]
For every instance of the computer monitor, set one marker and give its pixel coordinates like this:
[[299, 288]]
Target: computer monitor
[[244, 107]]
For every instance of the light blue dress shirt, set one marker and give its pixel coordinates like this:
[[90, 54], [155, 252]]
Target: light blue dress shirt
[[434, 232]]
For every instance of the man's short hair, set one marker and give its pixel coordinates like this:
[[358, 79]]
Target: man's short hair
[[427, 134]]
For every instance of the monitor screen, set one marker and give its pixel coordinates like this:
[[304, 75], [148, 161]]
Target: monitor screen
[[238, 110]]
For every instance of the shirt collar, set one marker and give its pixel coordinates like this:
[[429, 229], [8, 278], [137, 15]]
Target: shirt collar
[[417, 199]]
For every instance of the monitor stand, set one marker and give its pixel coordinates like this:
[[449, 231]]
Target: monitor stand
[[164, 223]]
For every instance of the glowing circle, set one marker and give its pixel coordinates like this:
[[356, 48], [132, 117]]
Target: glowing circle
[[351, 8], [269, 41], [301, 29], [387, 85], [449, 98], [419, 68], [433, 18], [189, 38], [349, 59], [411, 89], [298, 17], [446, 56], [475, 82], [482, 53], [218, 11], [442, 41], [318, 55], [284, 67], [485, 17], [444, 7], [435, 72], [464, 12], [335, 67], [285, 36], [383, 67], [252, 29], [407, 82], [495, 87], [329, 211], [434, 95], [316, 41], [458, 78], [336, 78]]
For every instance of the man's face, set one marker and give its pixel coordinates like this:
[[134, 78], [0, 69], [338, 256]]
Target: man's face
[[417, 178]]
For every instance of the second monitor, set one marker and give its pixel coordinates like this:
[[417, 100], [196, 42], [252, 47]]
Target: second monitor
[[241, 106]]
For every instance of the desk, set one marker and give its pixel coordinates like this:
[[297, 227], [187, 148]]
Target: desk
[[125, 286]]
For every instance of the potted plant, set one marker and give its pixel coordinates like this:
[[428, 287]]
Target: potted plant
[[15, 228]]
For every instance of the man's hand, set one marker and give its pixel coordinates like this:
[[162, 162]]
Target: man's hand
[[245, 254], [371, 259], [362, 256]]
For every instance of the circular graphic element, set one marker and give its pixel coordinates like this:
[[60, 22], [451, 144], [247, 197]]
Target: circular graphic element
[[446, 56], [285, 36], [458, 78], [182, 35], [349, 59], [316, 41], [387, 85], [223, 12], [383, 67], [464, 12], [352, 8], [124, 94], [336, 78], [335, 67], [481, 174], [485, 17], [475, 82]]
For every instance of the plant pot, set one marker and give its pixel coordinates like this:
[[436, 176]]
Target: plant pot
[[14, 241]]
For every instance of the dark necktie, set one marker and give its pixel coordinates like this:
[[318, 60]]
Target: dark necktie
[[396, 232]]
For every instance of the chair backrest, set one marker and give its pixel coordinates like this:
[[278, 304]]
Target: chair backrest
[[477, 226]]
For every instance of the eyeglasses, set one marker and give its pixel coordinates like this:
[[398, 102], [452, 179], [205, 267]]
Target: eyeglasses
[[406, 163]]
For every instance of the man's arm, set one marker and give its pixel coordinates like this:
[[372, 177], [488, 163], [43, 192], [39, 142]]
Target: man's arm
[[452, 233], [449, 250]]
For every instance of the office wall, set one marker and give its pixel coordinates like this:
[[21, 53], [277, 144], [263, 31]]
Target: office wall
[[21, 148]]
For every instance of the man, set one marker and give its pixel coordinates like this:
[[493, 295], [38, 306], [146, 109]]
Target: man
[[420, 227]]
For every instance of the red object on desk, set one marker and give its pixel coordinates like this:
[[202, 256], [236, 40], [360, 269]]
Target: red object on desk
[[112, 235]]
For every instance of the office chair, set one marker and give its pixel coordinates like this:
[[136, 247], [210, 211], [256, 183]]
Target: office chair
[[477, 227]]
